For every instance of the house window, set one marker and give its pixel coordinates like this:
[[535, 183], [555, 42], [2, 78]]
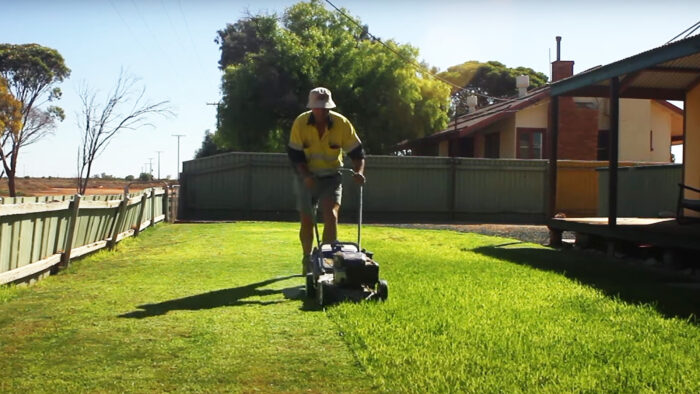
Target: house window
[[530, 143], [603, 145], [492, 145], [464, 147]]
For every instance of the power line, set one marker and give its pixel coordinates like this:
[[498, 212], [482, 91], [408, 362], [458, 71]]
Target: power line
[[411, 62], [189, 35], [693, 27]]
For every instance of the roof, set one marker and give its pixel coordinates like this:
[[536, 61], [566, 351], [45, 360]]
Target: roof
[[485, 116], [666, 73]]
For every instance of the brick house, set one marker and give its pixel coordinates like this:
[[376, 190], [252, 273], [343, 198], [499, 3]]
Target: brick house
[[518, 128]]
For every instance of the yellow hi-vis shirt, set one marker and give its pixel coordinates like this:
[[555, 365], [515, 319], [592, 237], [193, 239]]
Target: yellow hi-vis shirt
[[324, 155]]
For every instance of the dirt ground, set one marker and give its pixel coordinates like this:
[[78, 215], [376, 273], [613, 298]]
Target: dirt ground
[[61, 186]]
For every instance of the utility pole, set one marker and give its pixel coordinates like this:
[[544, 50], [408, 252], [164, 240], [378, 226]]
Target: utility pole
[[158, 152], [178, 153], [150, 167]]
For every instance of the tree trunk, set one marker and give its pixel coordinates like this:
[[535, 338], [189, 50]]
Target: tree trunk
[[13, 168], [11, 182], [84, 181]]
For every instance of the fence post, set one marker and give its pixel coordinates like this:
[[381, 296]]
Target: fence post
[[118, 221], [175, 203], [153, 206], [74, 207], [141, 210], [249, 186], [453, 187], [165, 205]]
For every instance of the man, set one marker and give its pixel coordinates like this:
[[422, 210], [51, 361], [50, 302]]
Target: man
[[316, 145]]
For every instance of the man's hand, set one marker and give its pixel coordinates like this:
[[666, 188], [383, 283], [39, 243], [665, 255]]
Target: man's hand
[[309, 182], [358, 178]]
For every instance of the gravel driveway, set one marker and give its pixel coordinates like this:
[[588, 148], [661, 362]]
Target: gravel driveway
[[522, 232]]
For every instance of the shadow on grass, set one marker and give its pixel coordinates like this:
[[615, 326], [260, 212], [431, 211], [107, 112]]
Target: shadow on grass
[[226, 297], [670, 294]]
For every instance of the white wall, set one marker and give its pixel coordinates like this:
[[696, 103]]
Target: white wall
[[691, 155], [661, 122], [444, 148], [635, 124]]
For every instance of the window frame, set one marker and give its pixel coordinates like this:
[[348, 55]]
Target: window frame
[[530, 132]]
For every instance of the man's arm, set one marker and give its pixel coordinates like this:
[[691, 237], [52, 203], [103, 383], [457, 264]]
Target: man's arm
[[357, 156], [298, 158]]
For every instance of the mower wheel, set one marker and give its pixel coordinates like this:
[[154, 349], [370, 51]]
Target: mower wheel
[[383, 290], [310, 290]]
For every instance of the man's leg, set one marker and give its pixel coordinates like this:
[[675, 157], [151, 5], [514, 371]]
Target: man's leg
[[306, 233], [330, 210], [306, 209]]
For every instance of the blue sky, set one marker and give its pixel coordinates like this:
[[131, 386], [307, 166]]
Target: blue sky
[[169, 45]]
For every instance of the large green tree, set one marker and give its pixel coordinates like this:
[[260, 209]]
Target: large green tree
[[271, 63], [31, 72], [488, 81]]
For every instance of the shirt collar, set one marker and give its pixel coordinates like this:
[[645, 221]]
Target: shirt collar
[[312, 120]]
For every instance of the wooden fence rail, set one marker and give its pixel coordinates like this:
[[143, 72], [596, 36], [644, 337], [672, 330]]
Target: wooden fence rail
[[39, 237]]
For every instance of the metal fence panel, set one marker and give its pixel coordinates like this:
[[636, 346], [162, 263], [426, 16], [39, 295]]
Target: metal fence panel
[[647, 191], [500, 186], [260, 185]]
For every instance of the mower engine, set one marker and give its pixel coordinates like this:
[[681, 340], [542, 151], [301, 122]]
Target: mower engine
[[354, 269]]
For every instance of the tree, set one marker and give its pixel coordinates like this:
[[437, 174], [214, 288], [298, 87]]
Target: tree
[[488, 81], [30, 71], [10, 111], [145, 177], [270, 66], [124, 109], [209, 146]]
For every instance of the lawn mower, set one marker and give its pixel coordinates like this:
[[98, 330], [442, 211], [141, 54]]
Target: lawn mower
[[343, 270]]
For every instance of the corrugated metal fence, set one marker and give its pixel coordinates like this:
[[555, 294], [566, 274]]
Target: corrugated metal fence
[[260, 186], [643, 191], [37, 234]]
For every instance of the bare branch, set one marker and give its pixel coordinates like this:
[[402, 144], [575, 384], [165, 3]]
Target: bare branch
[[125, 108]]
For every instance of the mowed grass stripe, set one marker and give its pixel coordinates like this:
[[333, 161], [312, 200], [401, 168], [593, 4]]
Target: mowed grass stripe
[[470, 313], [216, 308], [220, 313]]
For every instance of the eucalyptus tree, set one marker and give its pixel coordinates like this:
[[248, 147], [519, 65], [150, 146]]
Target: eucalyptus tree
[[10, 111], [31, 72]]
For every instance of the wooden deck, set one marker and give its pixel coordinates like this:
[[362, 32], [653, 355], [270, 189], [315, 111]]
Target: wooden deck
[[663, 233]]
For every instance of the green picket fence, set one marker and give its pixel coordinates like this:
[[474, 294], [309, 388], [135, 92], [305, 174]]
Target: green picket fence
[[40, 234]]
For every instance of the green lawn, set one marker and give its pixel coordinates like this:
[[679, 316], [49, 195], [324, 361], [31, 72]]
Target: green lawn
[[220, 308]]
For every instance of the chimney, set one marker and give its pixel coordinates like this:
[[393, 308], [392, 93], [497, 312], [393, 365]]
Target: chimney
[[558, 48], [471, 103], [561, 68], [522, 82]]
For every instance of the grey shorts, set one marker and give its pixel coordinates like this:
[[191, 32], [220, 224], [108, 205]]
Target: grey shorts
[[326, 187]]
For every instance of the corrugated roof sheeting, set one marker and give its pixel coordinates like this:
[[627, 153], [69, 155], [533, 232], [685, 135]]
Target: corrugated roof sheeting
[[660, 73]]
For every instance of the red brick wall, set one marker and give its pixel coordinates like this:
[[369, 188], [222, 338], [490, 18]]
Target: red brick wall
[[562, 69], [578, 131]]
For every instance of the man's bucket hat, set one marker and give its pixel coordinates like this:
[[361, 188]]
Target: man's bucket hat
[[320, 98]]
